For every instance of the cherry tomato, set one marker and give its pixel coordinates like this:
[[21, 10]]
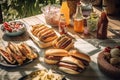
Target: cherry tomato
[[6, 24], [9, 29], [17, 26], [107, 49]]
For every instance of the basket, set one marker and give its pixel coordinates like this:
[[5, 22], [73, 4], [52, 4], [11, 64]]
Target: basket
[[106, 67]]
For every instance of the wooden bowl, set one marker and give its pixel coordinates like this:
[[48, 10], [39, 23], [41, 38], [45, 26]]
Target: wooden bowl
[[106, 67]]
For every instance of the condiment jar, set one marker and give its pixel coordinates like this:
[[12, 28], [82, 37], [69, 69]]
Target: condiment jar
[[78, 19]]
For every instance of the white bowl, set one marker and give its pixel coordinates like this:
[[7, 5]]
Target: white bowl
[[14, 33]]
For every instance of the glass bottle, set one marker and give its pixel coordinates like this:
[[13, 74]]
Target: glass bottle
[[102, 26], [65, 10], [78, 19], [62, 24]]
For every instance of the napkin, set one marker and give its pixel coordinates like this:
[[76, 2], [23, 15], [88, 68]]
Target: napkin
[[85, 47]]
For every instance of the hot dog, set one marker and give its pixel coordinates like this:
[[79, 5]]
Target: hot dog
[[48, 36], [63, 42], [7, 56], [53, 56], [18, 56], [14, 49], [26, 50], [71, 65], [44, 34], [80, 56]]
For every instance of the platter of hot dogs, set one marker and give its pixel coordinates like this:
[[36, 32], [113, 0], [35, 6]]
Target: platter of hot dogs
[[62, 52], [71, 62], [45, 36], [42, 35], [15, 55]]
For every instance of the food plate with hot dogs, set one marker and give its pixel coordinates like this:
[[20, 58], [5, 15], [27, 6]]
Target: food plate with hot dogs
[[43, 35], [15, 55]]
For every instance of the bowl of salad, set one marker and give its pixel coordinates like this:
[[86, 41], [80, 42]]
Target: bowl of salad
[[13, 28]]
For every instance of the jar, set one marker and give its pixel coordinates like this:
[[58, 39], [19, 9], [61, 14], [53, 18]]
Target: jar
[[92, 22], [78, 19]]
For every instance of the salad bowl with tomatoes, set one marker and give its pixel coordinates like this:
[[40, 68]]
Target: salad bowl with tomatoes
[[13, 28]]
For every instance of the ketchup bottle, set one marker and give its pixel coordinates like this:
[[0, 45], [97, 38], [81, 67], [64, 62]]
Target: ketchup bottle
[[62, 24], [102, 26]]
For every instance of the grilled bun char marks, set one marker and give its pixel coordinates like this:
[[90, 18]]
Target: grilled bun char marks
[[26, 50], [7, 56], [16, 53], [13, 53], [63, 42], [43, 33]]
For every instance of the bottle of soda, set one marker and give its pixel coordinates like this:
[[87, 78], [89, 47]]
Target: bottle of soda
[[78, 19], [62, 24], [65, 10]]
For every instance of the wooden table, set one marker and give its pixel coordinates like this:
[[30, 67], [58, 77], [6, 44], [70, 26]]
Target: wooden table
[[85, 42]]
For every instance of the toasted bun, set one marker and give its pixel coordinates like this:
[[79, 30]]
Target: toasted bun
[[48, 61], [40, 43], [71, 65], [15, 50], [56, 52], [67, 70], [63, 42], [72, 60], [71, 45], [35, 31], [59, 53], [42, 35], [7, 56], [26, 50], [76, 53]]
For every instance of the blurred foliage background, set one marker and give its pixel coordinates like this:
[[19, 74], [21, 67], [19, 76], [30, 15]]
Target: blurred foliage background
[[16, 9]]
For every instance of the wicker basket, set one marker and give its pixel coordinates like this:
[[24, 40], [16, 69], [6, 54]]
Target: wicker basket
[[107, 68], [72, 4]]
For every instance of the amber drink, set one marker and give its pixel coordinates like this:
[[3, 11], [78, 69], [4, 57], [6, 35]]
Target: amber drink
[[78, 25], [78, 20]]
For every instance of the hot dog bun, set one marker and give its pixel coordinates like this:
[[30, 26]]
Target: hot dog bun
[[71, 65], [17, 53], [53, 56], [42, 35], [7, 56], [18, 56], [26, 50], [63, 42], [80, 56]]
